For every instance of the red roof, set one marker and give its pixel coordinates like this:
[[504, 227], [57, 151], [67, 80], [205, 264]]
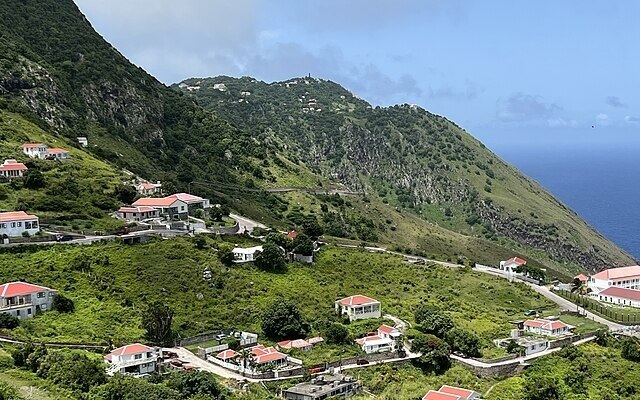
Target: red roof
[[20, 288], [32, 145], [357, 300], [227, 355], [269, 357], [147, 185], [294, 344], [292, 235], [315, 340], [463, 393], [57, 150], [187, 198], [618, 273], [582, 278], [135, 348], [16, 216], [516, 260], [433, 395], [155, 202], [13, 166], [545, 324], [384, 328], [622, 293]]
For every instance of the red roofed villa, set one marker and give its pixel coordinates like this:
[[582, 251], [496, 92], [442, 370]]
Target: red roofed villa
[[623, 277], [16, 223], [133, 359], [12, 169], [299, 344], [359, 307], [35, 150], [511, 264], [547, 327], [619, 296], [178, 204], [24, 300], [227, 355], [57, 153], [451, 393]]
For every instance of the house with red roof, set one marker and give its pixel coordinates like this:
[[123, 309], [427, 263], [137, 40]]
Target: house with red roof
[[16, 223], [389, 332], [359, 307], [12, 169], [24, 300], [451, 393], [139, 213], [267, 356], [547, 327], [57, 153], [35, 150], [622, 277], [228, 355], [133, 359], [148, 188], [582, 278], [376, 344], [179, 204], [299, 344], [619, 296], [512, 264]]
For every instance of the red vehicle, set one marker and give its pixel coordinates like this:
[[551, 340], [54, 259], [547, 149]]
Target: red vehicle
[[362, 361], [315, 370]]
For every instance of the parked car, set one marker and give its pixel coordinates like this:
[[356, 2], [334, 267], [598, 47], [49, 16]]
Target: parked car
[[362, 361], [530, 312], [459, 354], [63, 238], [122, 231]]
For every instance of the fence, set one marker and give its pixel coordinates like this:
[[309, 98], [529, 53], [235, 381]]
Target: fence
[[625, 317], [571, 339]]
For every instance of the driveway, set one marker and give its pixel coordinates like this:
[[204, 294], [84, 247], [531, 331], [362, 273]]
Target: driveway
[[246, 224]]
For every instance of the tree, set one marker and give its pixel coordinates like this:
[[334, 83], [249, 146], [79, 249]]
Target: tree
[[63, 304], [125, 193], [434, 353], [72, 370], [127, 388], [311, 228], [602, 338], [531, 271], [302, 244], [7, 392], [8, 321], [197, 384], [464, 341], [33, 179], [226, 257], [278, 239], [156, 320], [630, 349], [217, 213], [542, 388], [36, 357], [337, 333], [21, 353], [569, 351], [432, 320], [271, 258], [283, 320], [200, 242], [514, 348]]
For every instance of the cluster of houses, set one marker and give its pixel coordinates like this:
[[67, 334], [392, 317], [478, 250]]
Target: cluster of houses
[[41, 151], [176, 206], [248, 254]]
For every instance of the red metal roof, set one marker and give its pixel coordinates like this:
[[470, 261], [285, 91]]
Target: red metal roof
[[433, 395], [618, 273], [516, 260], [582, 277], [622, 293], [292, 235], [384, 328], [20, 288], [32, 145], [227, 355], [16, 216], [545, 324], [16, 166], [57, 150], [463, 393], [357, 300], [135, 348]]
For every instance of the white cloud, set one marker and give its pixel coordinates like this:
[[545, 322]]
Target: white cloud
[[561, 122], [602, 119], [629, 119], [526, 107]]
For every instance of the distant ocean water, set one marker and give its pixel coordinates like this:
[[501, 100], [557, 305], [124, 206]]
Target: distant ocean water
[[600, 183]]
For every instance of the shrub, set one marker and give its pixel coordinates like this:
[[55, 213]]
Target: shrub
[[283, 320], [432, 320], [63, 304], [8, 321]]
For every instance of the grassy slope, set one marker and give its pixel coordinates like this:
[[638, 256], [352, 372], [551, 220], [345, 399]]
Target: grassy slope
[[122, 279]]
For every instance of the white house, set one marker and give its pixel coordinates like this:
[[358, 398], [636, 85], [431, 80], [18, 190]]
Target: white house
[[147, 188], [623, 277], [192, 201], [24, 300], [133, 359], [12, 169], [169, 206], [15, 223], [267, 356], [619, 296], [139, 213], [547, 327], [82, 140], [359, 307], [35, 150], [388, 332], [246, 254], [57, 153], [451, 393], [512, 264], [376, 344]]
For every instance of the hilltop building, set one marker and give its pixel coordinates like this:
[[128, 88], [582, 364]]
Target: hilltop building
[[359, 307], [24, 300], [133, 359]]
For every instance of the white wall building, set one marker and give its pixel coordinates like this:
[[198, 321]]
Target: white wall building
[[82, 140], [511, 264], [24, 300], [623, 277], [35, 150], [12, 169], [618, 296], [376, 344], [15, 223], [547, 327], [359, 307], [246, 254], [139, 213], [133, 359]]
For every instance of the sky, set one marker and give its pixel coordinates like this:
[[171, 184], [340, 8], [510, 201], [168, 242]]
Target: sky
[[510, 72]]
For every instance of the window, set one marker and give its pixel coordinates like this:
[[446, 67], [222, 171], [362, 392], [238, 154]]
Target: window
[[13, 224], [17, 313], [3, 226], [137, 356], [34, 224], [28, 311], [42, 295], [43, 306], [19, 224], [27, 225]]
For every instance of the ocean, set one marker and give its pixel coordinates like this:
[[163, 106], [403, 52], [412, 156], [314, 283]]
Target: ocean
[[601, 183]]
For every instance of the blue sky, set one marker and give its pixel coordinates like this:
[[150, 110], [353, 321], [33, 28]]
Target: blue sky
[[510, 72]]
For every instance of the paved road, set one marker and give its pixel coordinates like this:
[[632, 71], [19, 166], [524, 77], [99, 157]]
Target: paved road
[[246, 224], [560, 301], [410, 257], [519, 360]]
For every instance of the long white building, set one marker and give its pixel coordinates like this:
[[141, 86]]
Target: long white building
[[622, 277], [15, 223]]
